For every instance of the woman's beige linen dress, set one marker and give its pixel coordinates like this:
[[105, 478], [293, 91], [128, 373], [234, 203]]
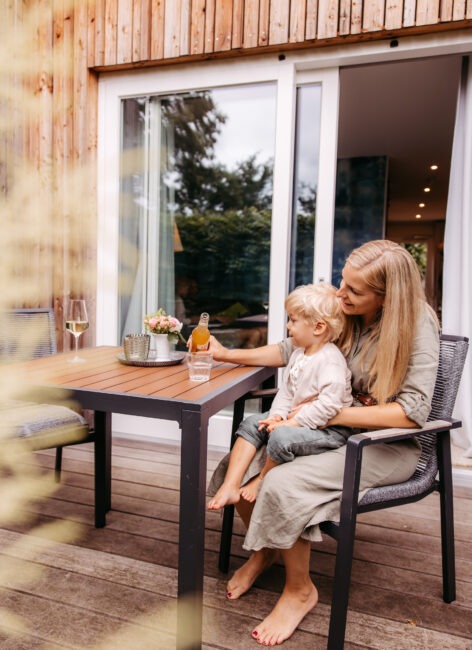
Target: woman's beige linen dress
[[296, 496]]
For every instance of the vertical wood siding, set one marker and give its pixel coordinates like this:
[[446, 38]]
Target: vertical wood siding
[[52, 143], [152, 30]]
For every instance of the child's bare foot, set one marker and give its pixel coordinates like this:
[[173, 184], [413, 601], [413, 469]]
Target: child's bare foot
[[246, 575], [250, 490], [226, 495], [290, 610]]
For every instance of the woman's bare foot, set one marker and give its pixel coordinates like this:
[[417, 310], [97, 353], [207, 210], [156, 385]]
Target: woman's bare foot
[[290, 610], [251, 489], [226, 495], [245, 576]]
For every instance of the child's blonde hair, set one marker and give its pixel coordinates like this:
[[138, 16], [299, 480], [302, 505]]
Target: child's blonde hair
[[317, 302]]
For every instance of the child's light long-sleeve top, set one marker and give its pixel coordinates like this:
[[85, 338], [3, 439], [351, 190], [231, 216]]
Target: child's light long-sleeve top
[[322, 382]]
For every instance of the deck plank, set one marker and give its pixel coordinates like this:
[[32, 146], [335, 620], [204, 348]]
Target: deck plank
[[395, 597]]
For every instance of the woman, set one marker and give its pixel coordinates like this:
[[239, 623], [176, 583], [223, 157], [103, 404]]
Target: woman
[[391, 344]]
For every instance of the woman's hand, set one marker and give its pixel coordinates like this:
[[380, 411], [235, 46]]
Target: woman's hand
[[337, 420]]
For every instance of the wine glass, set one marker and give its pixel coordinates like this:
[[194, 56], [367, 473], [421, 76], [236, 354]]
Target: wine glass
[[76, 323]]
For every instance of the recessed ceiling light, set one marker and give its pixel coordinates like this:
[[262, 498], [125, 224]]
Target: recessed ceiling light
[[418, 216], [426, 189], [421, 205], [434, 167]]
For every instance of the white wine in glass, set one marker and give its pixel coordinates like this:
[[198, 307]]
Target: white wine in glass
[[76, 323]]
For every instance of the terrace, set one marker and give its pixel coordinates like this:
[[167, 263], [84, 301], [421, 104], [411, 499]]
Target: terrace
[[63, 582], [116, 587]]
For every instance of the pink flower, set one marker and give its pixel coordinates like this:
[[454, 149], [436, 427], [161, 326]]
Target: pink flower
[[162, 323]]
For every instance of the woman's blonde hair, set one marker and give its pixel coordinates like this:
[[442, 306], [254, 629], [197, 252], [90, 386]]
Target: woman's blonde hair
[[391, 272], [317, 302]]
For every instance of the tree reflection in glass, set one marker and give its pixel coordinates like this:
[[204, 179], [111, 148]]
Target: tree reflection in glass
[[209, 216]]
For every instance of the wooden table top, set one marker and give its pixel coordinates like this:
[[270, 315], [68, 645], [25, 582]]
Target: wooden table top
[[101, 371]]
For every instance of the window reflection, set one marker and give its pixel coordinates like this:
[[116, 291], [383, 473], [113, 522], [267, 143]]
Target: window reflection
[[204, 182]]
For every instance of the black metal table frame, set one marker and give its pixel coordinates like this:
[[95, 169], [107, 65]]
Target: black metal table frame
[[192, 417]]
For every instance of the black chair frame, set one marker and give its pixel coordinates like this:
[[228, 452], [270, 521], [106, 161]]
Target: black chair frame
[[102, 444], [344, 530]]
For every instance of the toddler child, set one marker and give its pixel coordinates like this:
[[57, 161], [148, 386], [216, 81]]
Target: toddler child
[[316, 385]]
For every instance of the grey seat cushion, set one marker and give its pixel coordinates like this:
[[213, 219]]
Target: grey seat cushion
[[42, 425]]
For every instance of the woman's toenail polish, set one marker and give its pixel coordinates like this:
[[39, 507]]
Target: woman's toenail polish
[[229, 594], [254, 633]]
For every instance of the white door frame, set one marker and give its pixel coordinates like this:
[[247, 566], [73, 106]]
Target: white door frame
[[113, 88]]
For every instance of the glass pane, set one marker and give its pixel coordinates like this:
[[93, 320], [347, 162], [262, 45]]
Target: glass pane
[[208, 196], [132, 283], [305, 185], [359, 214]]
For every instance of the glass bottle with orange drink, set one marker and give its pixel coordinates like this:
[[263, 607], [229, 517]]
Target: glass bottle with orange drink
[[200, 335]]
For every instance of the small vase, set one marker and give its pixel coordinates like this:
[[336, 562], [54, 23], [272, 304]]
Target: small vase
[[162, 347]]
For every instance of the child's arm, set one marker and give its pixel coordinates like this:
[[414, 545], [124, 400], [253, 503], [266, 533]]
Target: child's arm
[[332, 397], [283, 401]]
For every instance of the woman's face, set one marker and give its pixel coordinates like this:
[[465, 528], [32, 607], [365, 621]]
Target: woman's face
[[357, 299]]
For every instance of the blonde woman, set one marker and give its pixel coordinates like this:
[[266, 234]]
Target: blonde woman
[[316, 382], [391, 345]]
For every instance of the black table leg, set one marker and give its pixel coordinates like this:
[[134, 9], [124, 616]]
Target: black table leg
[[102, 449], [191, 530]]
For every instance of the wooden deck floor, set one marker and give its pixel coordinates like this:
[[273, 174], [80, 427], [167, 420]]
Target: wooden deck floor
[[122, 579]]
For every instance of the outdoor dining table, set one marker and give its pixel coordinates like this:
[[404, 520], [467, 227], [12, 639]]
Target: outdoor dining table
[[103, 384]]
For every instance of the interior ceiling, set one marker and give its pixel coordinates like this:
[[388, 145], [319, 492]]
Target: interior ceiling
[[405, 111]]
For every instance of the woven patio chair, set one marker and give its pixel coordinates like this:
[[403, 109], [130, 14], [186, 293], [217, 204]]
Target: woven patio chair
[[433, 472], [31, 334]]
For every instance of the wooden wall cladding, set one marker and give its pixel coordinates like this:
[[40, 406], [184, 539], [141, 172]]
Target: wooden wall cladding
[[138, 31], [70, 40], [48, 144]]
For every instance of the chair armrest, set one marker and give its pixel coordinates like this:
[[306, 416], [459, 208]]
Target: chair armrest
[[393, 435], [354, 449]]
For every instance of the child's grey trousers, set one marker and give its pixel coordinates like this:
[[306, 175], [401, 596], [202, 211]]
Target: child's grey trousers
[[285, 442]]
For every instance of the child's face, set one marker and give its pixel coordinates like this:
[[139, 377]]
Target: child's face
[[302, 333]]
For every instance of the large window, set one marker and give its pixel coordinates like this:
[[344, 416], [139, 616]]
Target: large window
[[195, 209]]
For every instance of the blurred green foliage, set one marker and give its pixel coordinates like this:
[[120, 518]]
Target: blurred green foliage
[[419, 252]]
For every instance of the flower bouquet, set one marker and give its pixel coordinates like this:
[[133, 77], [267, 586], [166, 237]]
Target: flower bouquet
[[162, 323]]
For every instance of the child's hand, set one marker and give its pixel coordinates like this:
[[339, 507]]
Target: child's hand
[[268, 421], [291, 422]]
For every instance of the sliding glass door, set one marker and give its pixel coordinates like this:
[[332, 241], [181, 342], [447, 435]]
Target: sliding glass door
[[216, 193], [195, 209]]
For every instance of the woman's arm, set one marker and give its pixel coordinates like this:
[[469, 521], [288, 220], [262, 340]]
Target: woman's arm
[[413, 401], [373, 417], [267, 355]]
